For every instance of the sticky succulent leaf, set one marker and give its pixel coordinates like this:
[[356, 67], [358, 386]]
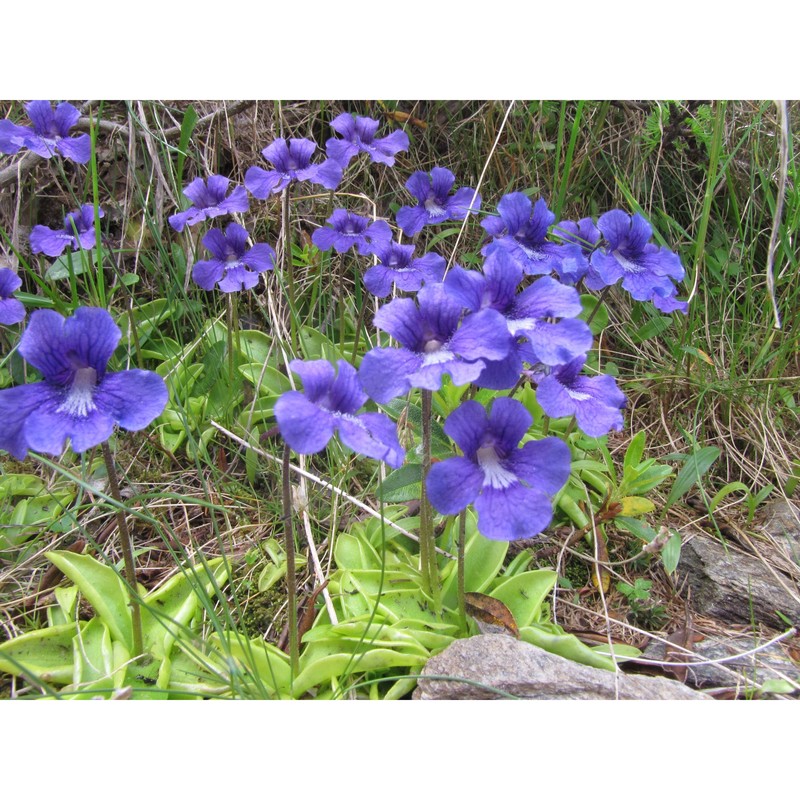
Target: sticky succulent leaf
[[552, 638], [340, 665], [483, 560], [46, 654], [93, 656], [258, 658], [621, 652], [171, 607], [639, 529], [351, 552], [649, 479], [64, 610], [102, 587], [524, 594], [268, 380]]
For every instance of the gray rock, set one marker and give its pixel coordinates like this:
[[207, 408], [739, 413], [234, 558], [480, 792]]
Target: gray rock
[[742, 672], [495, 664], [782, 523], [734, 587]]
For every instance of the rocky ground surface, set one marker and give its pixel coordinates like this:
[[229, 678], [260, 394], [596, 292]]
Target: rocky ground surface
[[739, 638]]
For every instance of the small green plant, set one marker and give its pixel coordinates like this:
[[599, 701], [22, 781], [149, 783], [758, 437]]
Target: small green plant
[[28, 506], [644, 611]]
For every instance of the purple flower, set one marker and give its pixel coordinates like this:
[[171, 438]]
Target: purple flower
[[397, 265], [11, 310], [581, 238], [510, 486], [349, 230], [234, 266], [78, 399], [595, 402], [584, 233], [521, 229], [529, 315], [209, 201], [359, 136], [435, 203], [667, 301], [78, 232], [647, 271], [292, 162], [50, 133], [434, 341], [307, 421]]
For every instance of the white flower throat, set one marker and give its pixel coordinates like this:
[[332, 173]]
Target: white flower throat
[[79, 400], [433, 208], [494, 473], [436, 352], [629, 266]]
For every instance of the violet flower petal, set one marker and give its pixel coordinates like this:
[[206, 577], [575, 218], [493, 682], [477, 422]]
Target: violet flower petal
[[512, 512], [51, 243], [16, 405], [207, 274], [262, 183], [509, 421], [12, 137], [544, 464], [305, 427], [467, 426], [76, 148], [453, 484], [384, 372], [372, 435]]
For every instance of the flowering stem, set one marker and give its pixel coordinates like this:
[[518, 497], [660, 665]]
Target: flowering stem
[[101, 287], [230, 341], [288, 266], [462, 542], [342, 308], [134, 337], [600, 300], [359, 325], [127, 552], [427, 540], [291, 569], [517, 386]]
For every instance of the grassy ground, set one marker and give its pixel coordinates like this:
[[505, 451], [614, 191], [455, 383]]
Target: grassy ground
[[706, 174]]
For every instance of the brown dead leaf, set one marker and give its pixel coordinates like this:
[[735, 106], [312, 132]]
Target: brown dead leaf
[[401, 116], [681, 640], [600, 574], [490, 613]]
